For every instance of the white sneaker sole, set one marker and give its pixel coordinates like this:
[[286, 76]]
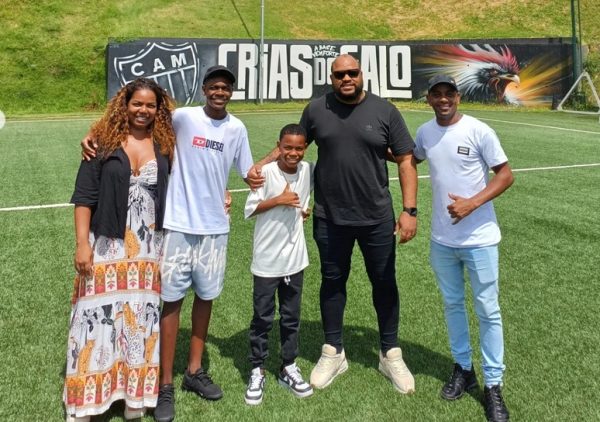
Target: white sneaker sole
[[296, 393], [341, 369], [253, 402], [396, 386]]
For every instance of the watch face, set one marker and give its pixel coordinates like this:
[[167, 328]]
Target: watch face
[[411, 211]]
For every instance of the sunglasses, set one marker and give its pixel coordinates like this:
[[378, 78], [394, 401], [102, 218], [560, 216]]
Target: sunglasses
[[340, 74]]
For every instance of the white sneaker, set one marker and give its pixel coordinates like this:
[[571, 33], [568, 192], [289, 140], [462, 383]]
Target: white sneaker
[[329, 366], [291, 378], [256, 387], [393, 367], [131, 413]]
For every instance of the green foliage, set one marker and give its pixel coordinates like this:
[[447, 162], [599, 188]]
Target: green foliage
[[549, 290], [52, 53]]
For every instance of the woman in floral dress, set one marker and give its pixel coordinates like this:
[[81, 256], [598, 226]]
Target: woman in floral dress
[[113, 342]]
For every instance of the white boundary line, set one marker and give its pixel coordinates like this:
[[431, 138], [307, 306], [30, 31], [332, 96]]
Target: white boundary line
[[95, 117], [541, 126], [518, 123], [37, 207], [91, 118]]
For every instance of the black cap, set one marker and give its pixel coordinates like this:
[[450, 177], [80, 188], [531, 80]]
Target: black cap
[[218, 70], [441, 79]]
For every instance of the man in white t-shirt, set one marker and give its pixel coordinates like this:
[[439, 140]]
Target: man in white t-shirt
[[464, 233], [209, 142]]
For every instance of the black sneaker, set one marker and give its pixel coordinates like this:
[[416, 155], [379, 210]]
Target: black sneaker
[[165, 406], [460, 381], [495, 409], [201, 384]]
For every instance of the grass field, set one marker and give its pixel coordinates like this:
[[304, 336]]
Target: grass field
[[550, 287]]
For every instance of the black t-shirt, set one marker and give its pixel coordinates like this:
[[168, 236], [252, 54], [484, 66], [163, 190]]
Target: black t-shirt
[[351, 176]]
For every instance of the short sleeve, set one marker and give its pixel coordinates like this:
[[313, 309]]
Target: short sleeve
[[492, 152], [400, 141], [243, 159], [255, 197], [305, 123], [87, 183], [419, 151]]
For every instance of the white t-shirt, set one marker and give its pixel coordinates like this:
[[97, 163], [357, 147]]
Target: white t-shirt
[[204, 153], [460, 157], [279, 244]]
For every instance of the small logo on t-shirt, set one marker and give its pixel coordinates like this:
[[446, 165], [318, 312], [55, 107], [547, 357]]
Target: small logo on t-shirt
[[202, 142], [463, 150], [369, 128]]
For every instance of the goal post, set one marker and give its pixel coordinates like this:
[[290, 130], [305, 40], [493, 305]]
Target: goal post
[[585, 76]]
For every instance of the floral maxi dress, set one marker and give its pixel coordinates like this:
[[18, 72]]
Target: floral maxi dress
[[113, 344]]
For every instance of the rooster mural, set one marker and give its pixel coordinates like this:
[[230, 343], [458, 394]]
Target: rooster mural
[[485, 73]]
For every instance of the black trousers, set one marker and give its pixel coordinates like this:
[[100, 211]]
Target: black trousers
[[378, 246], [289, 292]]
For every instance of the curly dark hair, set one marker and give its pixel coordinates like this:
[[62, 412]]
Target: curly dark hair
[[111, 131]]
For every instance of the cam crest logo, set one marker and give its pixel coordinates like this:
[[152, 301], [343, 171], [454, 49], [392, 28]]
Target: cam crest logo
[[175, 67]]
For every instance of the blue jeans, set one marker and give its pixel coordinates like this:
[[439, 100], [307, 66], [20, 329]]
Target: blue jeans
[[482, 265]]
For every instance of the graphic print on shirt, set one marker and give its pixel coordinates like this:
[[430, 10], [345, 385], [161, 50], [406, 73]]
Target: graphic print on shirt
[[204, 143], [463, 150]]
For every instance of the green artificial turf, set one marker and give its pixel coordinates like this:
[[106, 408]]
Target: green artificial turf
[[549, 288]]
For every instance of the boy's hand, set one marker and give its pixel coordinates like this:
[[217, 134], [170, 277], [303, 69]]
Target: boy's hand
[[227, 205], [288, 198], [88, 148], [255, 179]]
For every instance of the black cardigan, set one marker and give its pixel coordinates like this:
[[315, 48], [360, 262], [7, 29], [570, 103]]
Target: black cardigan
[[103, 185]]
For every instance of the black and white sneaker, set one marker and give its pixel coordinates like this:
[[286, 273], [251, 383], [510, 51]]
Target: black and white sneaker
[[291, 378], [256, 387]]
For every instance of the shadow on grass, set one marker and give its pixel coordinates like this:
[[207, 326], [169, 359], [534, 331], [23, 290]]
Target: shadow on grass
[[361, 345]]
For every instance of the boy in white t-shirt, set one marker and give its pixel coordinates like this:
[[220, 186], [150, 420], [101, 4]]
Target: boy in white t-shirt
[[279, 259], [210, 141]]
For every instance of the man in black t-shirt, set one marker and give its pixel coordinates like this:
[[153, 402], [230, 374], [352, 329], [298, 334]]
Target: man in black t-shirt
[[355, 133]]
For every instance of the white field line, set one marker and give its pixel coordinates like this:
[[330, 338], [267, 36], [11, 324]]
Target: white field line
[[541, 126], [250, 113], [55, 120], [93, 118], [521, 123], [37, 207]]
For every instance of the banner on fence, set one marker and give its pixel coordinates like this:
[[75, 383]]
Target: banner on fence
[[528, 72]]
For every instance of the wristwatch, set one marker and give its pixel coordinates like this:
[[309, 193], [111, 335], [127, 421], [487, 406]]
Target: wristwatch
[[410, 211]]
